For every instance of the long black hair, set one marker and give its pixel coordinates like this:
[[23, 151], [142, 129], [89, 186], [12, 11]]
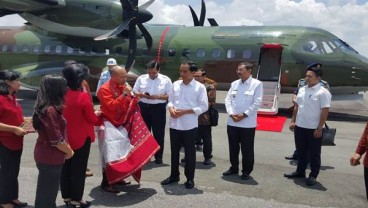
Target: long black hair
[[74, 74], [7, 76], [51, 93]]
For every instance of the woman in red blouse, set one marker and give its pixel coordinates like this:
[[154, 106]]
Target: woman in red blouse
[[11, 140], [80, 118], [51, 148]]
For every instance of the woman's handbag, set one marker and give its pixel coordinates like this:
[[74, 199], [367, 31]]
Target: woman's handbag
[[214, 116], [328, 136]]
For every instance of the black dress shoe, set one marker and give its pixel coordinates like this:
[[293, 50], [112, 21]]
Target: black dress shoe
[[291, 157], [170, 180], [19, 204], [294, 175], [230, 172], [244, 176], [158, 161], [207, 162], [189, 184], [86, 204], [311, 181]]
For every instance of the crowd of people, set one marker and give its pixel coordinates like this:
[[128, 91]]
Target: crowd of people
[[131, 127]]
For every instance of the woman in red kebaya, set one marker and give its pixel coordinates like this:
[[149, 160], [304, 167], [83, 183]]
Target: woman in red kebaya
[[80, 118], [11, 140]]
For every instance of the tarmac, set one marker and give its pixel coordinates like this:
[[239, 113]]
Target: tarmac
[[339, 184]]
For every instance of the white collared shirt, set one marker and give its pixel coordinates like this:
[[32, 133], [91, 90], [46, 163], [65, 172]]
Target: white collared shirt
[[104, 77], [310, 101], [161, 85], [244, 98], [192, 96]]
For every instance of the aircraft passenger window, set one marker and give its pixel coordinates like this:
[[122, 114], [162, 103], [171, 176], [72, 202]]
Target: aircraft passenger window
[[36, 49], [215, 53], [25, 48], [59, 49], [171, 52], [186, 52], [107, 51], [230, 53], [47, 48], [4, 48], [247, 53], [69, 50], [327, 47], [14, 48], [201, 52]]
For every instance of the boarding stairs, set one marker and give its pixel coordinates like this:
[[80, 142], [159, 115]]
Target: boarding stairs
[[269, 73]]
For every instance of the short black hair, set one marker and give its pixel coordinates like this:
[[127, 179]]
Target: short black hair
[[247, 65], [75, 74], [153, 65], [317, 71], [7, 76], [192, 66]]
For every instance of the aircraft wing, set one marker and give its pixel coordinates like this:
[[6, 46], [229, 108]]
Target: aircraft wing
[[18, 6]]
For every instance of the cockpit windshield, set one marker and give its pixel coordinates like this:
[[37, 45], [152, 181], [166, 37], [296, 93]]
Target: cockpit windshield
[[323, 45], [344, 46]]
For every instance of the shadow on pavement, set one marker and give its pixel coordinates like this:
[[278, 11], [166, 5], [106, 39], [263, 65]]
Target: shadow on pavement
[[129, 196], [179, 190], [236, 179]]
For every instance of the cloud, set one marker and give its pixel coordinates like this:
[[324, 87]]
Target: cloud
[[347, 19]]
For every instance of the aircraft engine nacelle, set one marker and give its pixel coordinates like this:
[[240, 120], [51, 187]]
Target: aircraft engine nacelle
[[30, 5]]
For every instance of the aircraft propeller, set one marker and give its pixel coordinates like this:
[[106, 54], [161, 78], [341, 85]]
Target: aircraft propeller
[[202, 18], [132, 16]]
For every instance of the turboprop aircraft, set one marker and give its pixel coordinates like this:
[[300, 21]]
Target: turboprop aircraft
[[94, 30]]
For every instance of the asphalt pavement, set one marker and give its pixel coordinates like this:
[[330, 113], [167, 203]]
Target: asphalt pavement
[[339, 184]]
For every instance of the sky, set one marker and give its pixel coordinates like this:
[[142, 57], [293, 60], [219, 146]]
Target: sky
[[347, 19]]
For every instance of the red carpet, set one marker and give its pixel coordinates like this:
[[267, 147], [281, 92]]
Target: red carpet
[[270, 123]]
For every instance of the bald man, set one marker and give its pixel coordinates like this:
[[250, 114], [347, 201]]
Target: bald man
[[114, 98]]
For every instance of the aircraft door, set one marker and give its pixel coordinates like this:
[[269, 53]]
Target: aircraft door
[[269, 72]]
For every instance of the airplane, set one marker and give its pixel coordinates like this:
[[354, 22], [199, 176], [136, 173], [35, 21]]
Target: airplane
[[91, 31]]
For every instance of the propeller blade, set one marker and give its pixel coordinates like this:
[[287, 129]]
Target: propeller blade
[[145, 5], [127, 6], [146, 36], [132, 47], [194, 15], [212, 22], [114, 32], [203, 14], [134, 3]]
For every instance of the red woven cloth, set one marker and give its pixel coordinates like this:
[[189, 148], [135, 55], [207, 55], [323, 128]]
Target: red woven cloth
[[144, 147]]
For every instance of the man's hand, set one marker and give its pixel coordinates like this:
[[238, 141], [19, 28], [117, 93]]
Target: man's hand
[[292, 126], [174, 113], [354, 160], [237, 117], [317, 133]]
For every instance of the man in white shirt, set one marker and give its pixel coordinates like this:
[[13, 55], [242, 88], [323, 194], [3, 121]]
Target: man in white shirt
[[105, 76], [187, 100], [309, 116], [242, 101], [153, 89]]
